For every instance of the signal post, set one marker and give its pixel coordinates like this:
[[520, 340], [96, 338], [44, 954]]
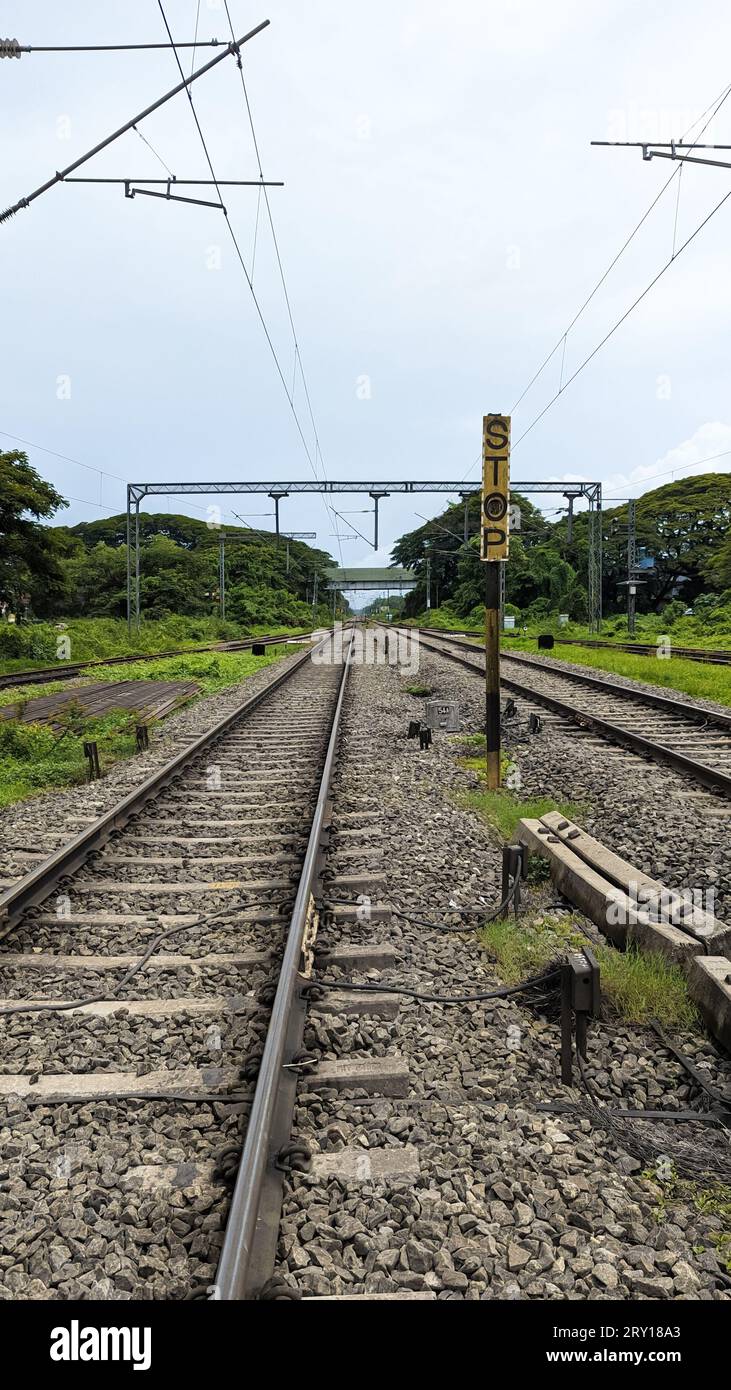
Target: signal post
[[494, 545]]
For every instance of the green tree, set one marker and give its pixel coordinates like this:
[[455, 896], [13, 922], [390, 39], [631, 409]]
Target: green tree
[[27, 555]]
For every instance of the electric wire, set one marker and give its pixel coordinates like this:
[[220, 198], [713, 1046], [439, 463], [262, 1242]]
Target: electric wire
[[239, 254], [275, 240], [714, 108]]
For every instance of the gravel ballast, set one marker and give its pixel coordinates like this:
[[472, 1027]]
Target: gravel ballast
[[510, 1201]]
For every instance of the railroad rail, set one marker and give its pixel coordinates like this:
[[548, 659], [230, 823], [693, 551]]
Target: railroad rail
[[719, 656], [689, 739], [68, 670], [239, 852]]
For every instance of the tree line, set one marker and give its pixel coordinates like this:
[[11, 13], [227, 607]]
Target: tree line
[[49, 571], [683, 540]]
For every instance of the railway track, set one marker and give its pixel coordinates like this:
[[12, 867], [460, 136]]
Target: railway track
[[69, 670], [693, 741], [718, 656], [138, 963]]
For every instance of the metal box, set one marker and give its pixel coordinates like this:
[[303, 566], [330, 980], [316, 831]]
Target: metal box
[[444, 715]]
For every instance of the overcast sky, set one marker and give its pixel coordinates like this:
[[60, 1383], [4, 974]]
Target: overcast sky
[[443, 218]]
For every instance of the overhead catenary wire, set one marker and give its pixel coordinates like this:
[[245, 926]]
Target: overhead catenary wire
[[298, 356], [239, 254], [713, 108], [716, 105]]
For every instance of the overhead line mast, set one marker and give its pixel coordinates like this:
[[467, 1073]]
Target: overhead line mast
[[60, 176]]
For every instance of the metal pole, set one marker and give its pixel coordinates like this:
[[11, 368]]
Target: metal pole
[[631, 566], [599, 545], [570, 527], [222, 574], [60, 175], [492, 673], [137, 565], [129, 568], [287, 569]]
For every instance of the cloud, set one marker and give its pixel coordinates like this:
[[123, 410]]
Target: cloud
[[684, 460]]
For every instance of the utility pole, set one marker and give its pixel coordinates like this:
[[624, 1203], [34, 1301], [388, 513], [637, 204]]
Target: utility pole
[[222, 574], [631, 566], [570, 498], [465, 496], [297, 536], [428, 580], [495, 526], [632, 581], [314, 594]]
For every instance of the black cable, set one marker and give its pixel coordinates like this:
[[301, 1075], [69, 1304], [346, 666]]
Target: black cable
[[504, 992], [130, 973]]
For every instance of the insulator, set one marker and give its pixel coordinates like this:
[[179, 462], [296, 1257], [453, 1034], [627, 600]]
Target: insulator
[[9, 48]]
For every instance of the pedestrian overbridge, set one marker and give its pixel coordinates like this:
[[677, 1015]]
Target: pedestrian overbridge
[[352, 580]]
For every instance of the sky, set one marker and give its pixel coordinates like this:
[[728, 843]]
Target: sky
[[443, 218]]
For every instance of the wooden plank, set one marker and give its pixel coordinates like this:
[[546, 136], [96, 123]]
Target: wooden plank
[[145, 697]]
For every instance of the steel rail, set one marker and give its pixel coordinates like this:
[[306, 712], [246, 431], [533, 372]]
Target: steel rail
[[717, 656], [647, 697], [241, 1274], [614, 733], [720, 656], [35, 886], [66, 672]]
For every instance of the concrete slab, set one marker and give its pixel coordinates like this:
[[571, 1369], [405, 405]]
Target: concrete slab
[[380, 1076], [144, 1008], [709, 985], [377, 1004], [357, 1165], [82, 1087]]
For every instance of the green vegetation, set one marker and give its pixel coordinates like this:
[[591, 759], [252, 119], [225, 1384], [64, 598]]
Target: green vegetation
[[30, 645], [682, 528], [503, 810], [213, 671], [713, 1200], [419, 690], [34, 759], [638, 987], [67, 572]]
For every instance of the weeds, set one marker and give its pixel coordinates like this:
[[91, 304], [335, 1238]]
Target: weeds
[[503, 810], [713, 1201], [637, 987]]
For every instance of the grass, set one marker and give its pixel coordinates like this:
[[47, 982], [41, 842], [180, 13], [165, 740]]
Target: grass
[[419, 690], [34, 646], [34, 759], [713, 1200], [704, 682], [638, 987], [503, 810]]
